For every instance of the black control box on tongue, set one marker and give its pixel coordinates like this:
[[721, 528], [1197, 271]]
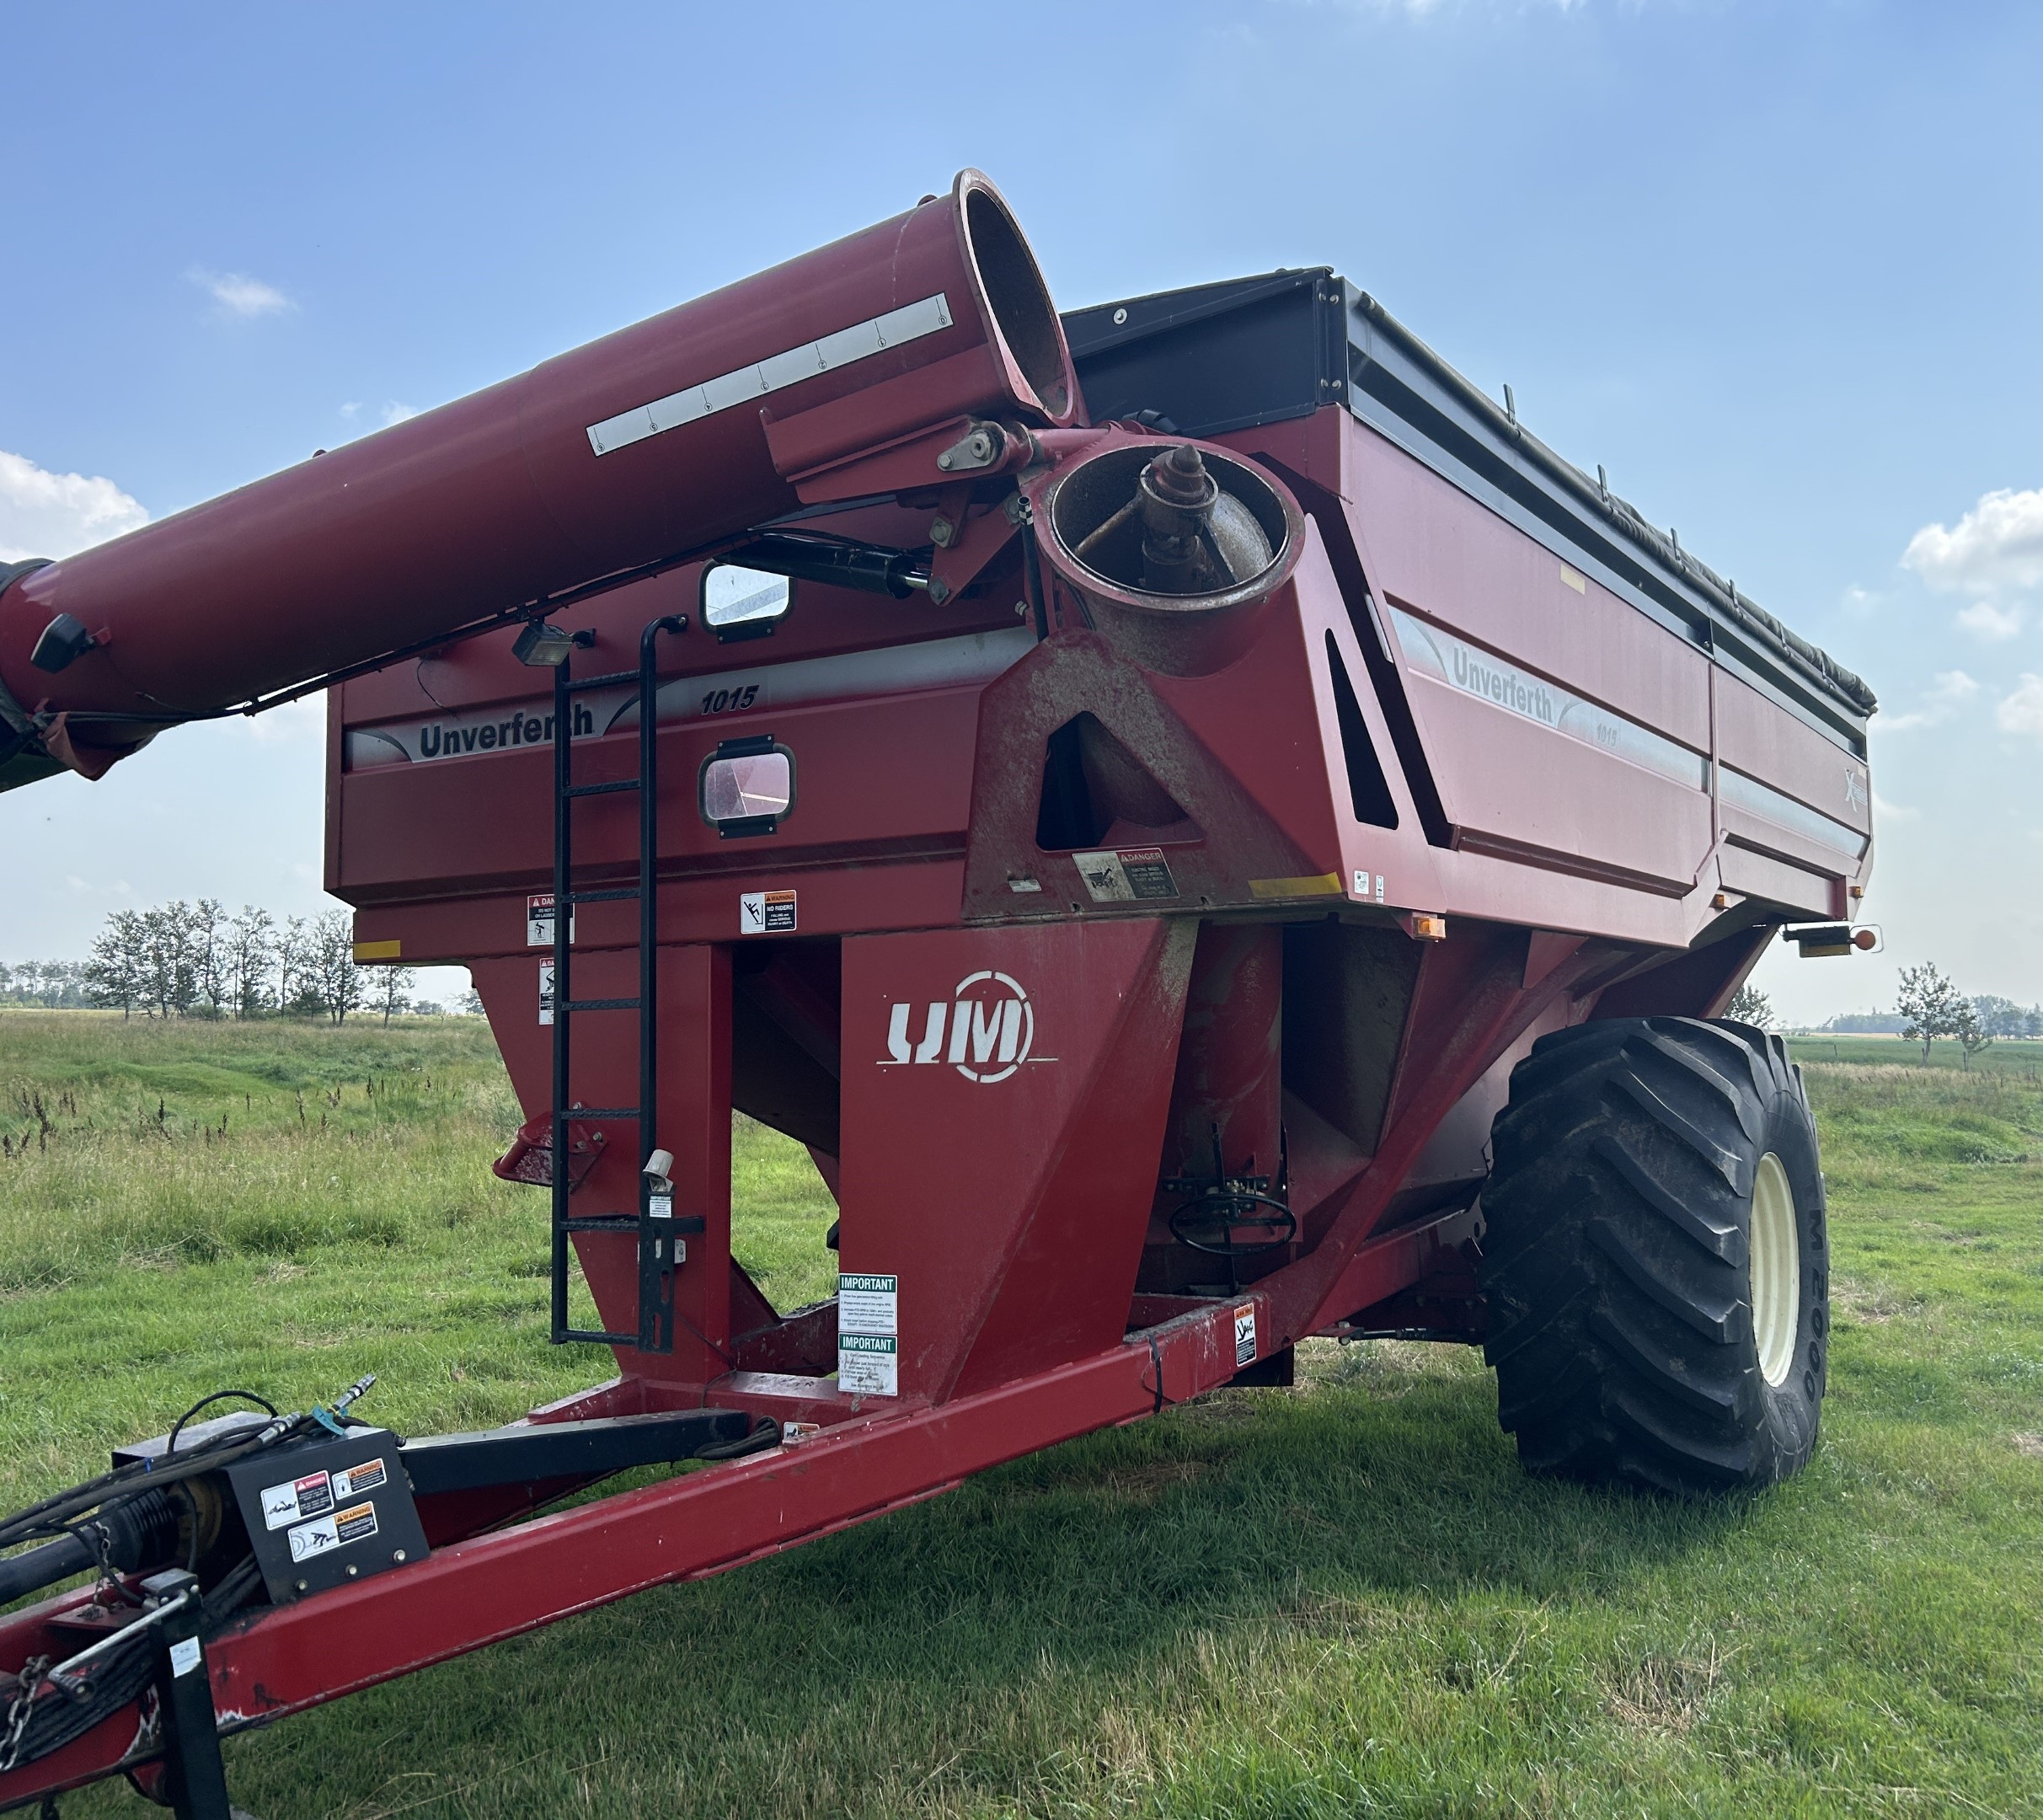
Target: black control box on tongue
[[323, 1512]]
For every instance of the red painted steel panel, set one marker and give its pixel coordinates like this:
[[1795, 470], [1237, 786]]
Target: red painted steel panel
[[892, 774], [1568, 804], [1428, 545], [1039, 1140], [1778, 749]]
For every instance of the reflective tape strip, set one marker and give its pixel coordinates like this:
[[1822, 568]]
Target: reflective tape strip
[[860, 342], [1470, 671], [1743, 792]]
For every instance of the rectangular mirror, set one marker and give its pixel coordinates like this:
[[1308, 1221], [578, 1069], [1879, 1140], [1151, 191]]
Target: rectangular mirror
[[743, 602], [746, 792]]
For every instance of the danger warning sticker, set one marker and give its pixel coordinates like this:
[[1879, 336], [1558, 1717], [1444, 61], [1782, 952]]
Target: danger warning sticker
[[286, 1503], [766, 913], [1129, 873], [539, 921], [546, 991], [1244, 1335]]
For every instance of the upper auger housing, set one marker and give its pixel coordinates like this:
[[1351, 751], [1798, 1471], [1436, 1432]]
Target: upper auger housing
[[651, 444]]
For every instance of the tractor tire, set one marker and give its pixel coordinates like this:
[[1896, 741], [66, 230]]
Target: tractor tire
[[1655, 1258]]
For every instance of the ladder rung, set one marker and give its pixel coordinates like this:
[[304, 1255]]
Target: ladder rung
[[601, 1222], [597, 1111], [597, 1337], [601, 682], [602, 1005], [601, 789], [617, 896]]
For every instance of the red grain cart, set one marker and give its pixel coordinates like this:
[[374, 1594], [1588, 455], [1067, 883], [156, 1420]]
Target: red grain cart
[[1208, 831]]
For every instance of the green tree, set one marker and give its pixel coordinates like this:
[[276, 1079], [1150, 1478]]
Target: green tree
[[1972, 1036], [1932, 1005], [114, 975], [1749, 1005]]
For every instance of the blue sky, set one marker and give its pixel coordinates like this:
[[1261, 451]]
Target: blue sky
[[1776, 266]]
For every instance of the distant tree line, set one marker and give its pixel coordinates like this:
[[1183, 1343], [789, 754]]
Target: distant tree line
[[1930, 1007], [193, 960], [1995, 1017]]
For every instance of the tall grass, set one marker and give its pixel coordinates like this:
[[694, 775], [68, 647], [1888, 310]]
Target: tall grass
[[1341, 1599]]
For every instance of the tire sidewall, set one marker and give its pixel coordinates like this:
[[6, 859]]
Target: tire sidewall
[[1790, 1412]]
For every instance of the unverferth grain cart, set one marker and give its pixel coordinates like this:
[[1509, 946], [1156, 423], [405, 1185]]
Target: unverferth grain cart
[[1208, 831]]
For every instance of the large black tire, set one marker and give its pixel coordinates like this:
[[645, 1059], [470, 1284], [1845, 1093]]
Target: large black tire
[[1634, 1168]]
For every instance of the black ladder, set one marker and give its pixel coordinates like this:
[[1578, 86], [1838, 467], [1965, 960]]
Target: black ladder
[[654, 1221]]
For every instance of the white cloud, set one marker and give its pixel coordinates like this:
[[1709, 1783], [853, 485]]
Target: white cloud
[[2021, 710], [395, 413], [239, 295], [351, 409], [1995, 624], [1885, 810], [1951, 691], [1860, 603], [45, 514], [1997, 546]]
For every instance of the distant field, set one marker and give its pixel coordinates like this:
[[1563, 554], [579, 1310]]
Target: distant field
[[1343, 1599]]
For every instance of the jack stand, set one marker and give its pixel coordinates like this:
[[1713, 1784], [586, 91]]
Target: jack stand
[[196, 1780]]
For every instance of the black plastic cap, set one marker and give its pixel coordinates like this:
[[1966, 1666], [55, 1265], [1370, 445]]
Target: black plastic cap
[[64, 641]]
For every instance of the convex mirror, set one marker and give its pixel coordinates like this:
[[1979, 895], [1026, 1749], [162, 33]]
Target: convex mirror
[[743, 602], [746, 787]]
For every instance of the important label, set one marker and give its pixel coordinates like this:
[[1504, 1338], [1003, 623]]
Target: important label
[[1244, 1335], [1361, 892], [539, 921], [185, 1655], [868, 1333], [286, 1503], [868, 1304], [868, 1364], [1126, 874], [546, 991], [766, 913]]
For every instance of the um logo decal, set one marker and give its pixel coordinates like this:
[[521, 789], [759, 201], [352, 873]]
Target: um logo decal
[[985, 1030]]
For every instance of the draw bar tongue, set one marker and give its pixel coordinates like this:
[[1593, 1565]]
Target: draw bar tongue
[[526, 1452]]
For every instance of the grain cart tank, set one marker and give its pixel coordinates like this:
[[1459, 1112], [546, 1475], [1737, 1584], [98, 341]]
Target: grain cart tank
[[1208, 831]]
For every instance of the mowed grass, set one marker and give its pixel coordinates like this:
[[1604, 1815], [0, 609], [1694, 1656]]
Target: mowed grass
[[1341, 1600]]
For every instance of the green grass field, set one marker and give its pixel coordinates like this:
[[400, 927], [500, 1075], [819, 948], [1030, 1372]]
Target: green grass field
[[1340, 1599]]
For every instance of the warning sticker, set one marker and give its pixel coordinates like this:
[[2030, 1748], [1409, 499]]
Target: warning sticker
[[546, 991], [357, 1480], [868, 1304], [1362, 887], [539, 921], [868, 1364], [1244, 1335], [357, 1521], [766, 913], [1126, 874], [185, 1655], [299, 1497], [310, 1539]]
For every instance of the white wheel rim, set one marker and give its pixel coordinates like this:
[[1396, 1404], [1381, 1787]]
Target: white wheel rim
[[1776, 1270]]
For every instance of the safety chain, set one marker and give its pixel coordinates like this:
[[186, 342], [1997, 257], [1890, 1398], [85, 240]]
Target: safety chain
[[33, 1673]]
